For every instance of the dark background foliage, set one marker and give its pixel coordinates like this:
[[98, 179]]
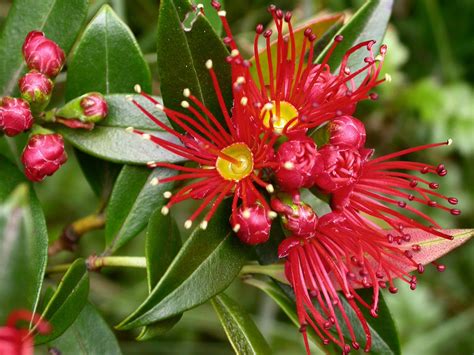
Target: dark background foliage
[[431, 98]]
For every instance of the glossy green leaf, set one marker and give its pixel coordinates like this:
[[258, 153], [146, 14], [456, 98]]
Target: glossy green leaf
[[211, 15], [110, 141], [107, 59], [67, 302], [241, 330], [186, 41], [89, 334], [368, 23], [23, 246], [163, 242], [319, 25], [206, 264], [54, 17], [134, 198]]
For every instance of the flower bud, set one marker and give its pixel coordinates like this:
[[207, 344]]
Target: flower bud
[[36, 88], [252, 225], [347, 130], [341, 167], [43, 54], [83, 111], [43, 156], [15, 116], [298, 218], [299, 163]]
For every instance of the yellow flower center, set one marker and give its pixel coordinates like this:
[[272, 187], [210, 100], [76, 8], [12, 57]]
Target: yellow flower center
[[279, 119], [236, 162]]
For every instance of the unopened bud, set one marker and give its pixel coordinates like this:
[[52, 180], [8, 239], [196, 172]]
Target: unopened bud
[[253, 224], [36, 88], [348, 131], [43, 156], [15, 116], [83, 111], [43, 54]]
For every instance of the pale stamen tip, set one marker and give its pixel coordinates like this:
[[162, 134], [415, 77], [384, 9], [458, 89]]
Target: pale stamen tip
[[388, 78], [184, 104], [129, 129], [234, 52], [188, 224], [129, 97], [159, 107], [246, 214], [288, 165], [155, 181], [240, 80], [268, 106], [186, 92], [203, 225], [146, 136], [137, 88], [209, 64], [236, 228], [244, 100], [165, 210], [272, 214], [270, 188], [222, 13], [167, 194], [449, 141]]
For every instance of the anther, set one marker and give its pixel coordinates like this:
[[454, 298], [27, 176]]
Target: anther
[[246, 214], [453, 200], [393, 289], [267, 33], [434, 185], [129, 129], [234, 52], [236, 228], [222, 13], [338, 38], [209, 64], [288, 16], [186, 92], [216, 5], [411, 197], [244, 100], [188, 224], [259, 29], [449, 141], [146, 136], [455, 212], [165, 210], [388, 78], [272, 214], [155, 181], [167, 194], [288, 165], [270, 188], [432, 203], [240, 80], [203, 225], [402, 204], [184, 104], [137, 88]]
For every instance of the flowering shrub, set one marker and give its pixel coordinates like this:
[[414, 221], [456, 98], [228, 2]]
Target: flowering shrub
[[265, 146]]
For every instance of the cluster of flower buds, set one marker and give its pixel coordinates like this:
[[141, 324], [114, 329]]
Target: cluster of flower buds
[[45, 153], [264, 145]]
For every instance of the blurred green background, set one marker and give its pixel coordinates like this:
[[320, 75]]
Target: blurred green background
[[431, 98]]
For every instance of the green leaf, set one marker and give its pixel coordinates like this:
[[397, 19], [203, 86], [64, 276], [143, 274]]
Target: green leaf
[[134, 198], [107, 59], [89, 334], [163, 242], [206, 264], [54, 17], [110, 141], [368, 23], [23, 246], [241, 330], [212, 17], [183, 49], [67, 302]]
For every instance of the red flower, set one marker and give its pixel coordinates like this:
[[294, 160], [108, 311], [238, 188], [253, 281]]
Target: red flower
[[17, 341], [298, 93], [15, 116], [231, 157], [386, 188], [43, 54], [43, 156]]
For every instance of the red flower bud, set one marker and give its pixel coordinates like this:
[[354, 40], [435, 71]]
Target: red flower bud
[[15, 116], [43, 54], [43, 156], [341, 167], [36, 88], [347, 130], [302, 222], [94, 106], [252, 225], [299, 163]]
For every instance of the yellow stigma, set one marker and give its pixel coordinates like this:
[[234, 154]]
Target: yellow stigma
[[281, 119], [232, 170]]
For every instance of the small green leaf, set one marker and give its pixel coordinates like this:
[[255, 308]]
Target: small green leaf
[[163, 242], [134, 198], [186, 41], [54, 17], [23, 245], [89, 334], [67, 302], [206, 264], [109, 140], [368, 23], [107, 59], [241, 330]]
